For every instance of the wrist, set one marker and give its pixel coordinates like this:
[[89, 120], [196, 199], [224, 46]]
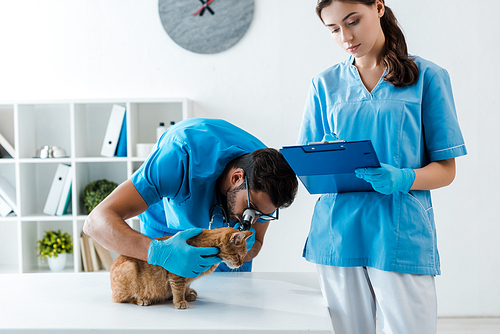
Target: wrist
[[151, 256], [408, 178]]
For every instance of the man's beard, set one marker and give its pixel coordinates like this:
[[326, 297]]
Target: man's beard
[[231, 202]]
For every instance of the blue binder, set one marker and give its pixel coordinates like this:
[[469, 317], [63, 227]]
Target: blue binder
[[329, 167], [121, 147]]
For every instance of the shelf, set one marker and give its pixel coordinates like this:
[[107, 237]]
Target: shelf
[[103, 159], [35, 182], [45, 218], [43, 124], [45, 161], [78, 127], [9, 269], [89, 117]]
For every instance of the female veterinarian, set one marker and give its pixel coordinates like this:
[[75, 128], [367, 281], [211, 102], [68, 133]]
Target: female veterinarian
[[376, 252]]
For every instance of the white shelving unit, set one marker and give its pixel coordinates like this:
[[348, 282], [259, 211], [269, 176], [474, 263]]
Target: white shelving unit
[[78, 127]]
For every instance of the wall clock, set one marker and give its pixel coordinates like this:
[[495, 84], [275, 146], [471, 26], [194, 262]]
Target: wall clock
[[206, 26]]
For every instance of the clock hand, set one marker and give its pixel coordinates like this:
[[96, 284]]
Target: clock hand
[[203, 7], [209, 9]]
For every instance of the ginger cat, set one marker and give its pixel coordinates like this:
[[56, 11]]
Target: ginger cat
[[135, 281]]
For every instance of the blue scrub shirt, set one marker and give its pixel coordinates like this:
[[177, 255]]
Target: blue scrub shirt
[[409, 127], [178, 179]]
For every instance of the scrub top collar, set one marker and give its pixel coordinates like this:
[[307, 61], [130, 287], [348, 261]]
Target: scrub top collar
[[355, 71]]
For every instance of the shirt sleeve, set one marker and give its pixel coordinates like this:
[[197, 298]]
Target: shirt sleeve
[[163, 174], [443, 137], [312, 128]]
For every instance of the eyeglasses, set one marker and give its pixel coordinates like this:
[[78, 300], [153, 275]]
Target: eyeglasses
[[218, 214], [258, 214]]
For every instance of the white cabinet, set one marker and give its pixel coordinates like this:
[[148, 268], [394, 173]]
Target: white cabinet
[[79, 128]]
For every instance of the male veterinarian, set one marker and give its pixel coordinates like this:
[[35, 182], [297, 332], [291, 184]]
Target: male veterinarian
[[197, 172]]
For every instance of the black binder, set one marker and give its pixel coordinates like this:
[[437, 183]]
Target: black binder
[[329, 167]]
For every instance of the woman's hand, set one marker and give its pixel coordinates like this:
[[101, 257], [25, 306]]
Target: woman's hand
[[388, 179]]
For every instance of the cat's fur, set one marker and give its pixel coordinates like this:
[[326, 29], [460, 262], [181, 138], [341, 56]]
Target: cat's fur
[[136, 281]]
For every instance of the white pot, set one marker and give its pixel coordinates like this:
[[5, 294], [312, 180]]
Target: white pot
[[57, 263]]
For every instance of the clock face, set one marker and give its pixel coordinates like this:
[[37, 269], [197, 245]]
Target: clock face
[[206, 26]]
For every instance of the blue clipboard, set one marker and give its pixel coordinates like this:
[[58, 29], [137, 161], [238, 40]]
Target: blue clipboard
[[329, 167]]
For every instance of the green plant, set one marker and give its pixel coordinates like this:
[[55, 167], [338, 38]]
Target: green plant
[[54, 243], [95, 192]]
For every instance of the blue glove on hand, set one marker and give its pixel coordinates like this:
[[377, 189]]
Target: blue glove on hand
[[251, 239], [388, 179], [177, 257]]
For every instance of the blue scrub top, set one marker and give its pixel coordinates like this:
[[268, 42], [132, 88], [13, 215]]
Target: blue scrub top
[[409, 127], [178, 179]]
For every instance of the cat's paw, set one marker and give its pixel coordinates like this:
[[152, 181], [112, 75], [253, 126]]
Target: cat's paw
[[143, 302], [181, 305], [191, 295]]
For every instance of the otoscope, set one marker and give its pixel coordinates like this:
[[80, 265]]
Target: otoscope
[[248, 214], [246, 221]]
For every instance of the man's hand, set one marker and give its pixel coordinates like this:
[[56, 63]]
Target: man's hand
[[177, 257], [388, 179]]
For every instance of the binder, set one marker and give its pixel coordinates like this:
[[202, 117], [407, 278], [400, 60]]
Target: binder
[[65, 198], [329, 167], [8, 193], [121, 148], [5, 208], [112, 135], [7, 146], [56, 189]]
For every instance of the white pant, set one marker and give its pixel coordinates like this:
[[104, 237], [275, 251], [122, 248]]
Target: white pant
[[356, 296]]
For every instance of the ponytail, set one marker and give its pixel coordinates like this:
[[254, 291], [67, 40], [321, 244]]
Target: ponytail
[[401, 69]]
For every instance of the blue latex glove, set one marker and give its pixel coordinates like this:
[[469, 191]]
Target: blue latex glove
[[251, 239], [177, 257], [388, 179]]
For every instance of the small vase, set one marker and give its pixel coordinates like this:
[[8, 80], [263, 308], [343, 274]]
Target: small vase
[[57, 263]]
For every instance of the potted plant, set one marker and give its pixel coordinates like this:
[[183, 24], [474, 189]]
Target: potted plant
[[95, 192], [55, 245]]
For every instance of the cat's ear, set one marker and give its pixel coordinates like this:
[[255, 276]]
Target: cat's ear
[[238, 237], [248, 234]]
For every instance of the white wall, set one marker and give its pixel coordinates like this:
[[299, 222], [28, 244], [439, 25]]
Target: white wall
[[62, 49]]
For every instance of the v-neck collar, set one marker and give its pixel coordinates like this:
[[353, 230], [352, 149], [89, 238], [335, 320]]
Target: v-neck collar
[[379, 82]]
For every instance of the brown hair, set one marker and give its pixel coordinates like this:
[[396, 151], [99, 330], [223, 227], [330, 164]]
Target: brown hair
[[401, 69], [268, 171]]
